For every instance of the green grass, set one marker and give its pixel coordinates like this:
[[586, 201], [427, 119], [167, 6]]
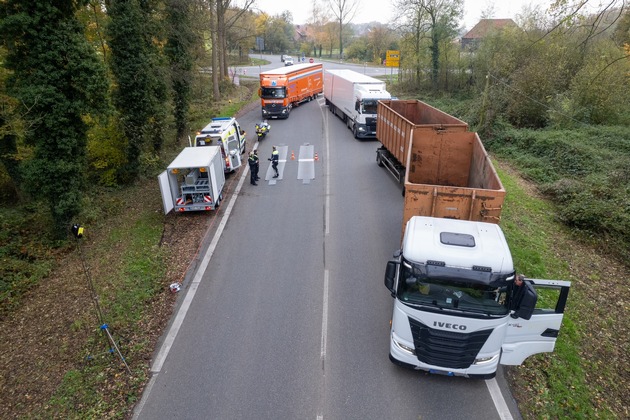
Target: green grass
[[125, 297], [556, 385]]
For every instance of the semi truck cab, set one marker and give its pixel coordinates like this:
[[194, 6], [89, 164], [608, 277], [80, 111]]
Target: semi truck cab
[[454, 301]]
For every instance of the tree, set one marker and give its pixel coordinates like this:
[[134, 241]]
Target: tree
[[9, 154], [317, 32], [344, 11], [436, 19], [140, 90], [58, 80], [180, 43], [379, 39]]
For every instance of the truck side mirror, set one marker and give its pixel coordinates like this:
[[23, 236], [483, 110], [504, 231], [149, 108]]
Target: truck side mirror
[[528, 303], [390, 276]]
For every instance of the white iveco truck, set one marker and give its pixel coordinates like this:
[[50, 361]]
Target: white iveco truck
[[354, 97], [454, 314]]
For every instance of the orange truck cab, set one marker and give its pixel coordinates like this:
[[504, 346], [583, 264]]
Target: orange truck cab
[[285, 87]]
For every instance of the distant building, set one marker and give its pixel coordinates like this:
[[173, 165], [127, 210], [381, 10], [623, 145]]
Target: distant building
[[471, 40]]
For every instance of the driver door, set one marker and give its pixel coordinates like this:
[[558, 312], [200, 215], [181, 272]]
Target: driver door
[[538, 334]]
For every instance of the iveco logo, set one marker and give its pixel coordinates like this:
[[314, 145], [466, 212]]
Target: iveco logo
[[449, 325]]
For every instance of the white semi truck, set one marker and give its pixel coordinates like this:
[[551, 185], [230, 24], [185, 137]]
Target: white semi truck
[[452, 283], [194, 180], [354, 97]]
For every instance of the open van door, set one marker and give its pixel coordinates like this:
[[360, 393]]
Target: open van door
[[165, 189], [538, 334]]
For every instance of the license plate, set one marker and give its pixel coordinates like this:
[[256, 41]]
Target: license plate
[[441, 372]]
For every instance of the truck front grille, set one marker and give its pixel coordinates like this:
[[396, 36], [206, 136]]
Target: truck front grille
[[370, 123], [448, 349]]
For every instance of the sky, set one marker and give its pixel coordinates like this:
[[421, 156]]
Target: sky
[[382, 10]]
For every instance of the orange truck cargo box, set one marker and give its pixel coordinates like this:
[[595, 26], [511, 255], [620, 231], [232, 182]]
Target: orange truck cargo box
[[450, 175], [283, 88]]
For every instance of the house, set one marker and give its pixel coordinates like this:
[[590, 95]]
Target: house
[[471, 40]]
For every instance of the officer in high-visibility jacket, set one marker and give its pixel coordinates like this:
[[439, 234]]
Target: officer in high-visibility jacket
[[253, 167], [275, 155]]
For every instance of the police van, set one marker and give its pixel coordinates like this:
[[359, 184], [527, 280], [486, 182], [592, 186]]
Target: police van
[[226, 133]]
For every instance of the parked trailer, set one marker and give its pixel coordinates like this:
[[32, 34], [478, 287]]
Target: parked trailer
[[399, 122], [283, 88], [193, 181], [450, 175]]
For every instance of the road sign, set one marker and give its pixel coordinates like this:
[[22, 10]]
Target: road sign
[[392, 59]]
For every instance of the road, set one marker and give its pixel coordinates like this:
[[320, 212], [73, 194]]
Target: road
[[290, 318], [274, 62]]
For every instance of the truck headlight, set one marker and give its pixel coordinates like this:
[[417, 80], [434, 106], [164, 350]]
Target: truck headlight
[[361, 128], [485, 360], [405, 348]]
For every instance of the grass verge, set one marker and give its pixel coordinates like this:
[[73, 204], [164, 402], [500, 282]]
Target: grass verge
[[578, 380]]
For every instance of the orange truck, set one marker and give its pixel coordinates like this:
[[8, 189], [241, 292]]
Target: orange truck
[[283, 88]]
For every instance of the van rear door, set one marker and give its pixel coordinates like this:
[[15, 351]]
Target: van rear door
[[537, 335], [167, 197]]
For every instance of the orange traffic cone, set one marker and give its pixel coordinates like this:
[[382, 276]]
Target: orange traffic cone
[[316, 157], [292, 155]]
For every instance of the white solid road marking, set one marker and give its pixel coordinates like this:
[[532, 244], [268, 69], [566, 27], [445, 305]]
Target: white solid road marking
[[190, 294], [499, 401]]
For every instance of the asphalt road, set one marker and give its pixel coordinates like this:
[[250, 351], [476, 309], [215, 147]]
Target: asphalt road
[[290, 319], [274, 62]]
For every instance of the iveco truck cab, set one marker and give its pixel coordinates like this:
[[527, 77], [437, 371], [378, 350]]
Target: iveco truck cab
[[454, 301]]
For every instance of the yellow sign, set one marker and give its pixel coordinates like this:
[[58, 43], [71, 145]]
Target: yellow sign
[[392, 59]]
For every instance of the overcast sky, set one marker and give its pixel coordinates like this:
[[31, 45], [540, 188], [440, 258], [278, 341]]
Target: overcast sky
[[382, 10]]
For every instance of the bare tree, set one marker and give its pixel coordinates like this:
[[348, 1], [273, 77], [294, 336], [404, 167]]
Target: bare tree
[[344, 11], [436, 20]]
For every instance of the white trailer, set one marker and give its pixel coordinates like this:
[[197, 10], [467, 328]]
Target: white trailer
[[455, 310], [354, 97], [194, 180]]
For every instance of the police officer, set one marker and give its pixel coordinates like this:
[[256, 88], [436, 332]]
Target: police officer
[[253, 167], [257, 167], [275, 155]]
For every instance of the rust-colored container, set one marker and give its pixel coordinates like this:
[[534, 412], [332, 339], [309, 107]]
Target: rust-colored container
[[398, 121], [450, 175]]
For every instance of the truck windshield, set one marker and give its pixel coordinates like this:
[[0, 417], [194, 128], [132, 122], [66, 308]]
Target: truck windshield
[[454, 289], [271, 93], [369, 106]]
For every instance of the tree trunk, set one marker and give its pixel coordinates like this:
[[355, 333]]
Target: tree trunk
[[216, 93]]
